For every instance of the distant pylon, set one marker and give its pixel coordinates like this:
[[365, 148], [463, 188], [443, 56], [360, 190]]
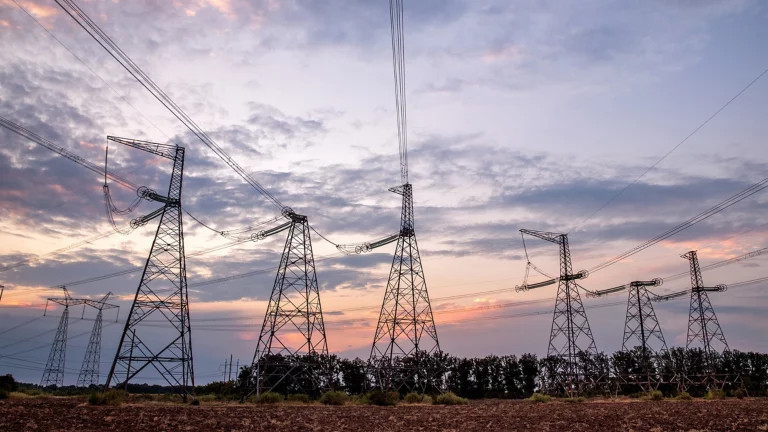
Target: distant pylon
[[570, 337], [293, 322], [703, 327], [406, 327], [162, 291], [89, 372], [53, 374], [641, 327]]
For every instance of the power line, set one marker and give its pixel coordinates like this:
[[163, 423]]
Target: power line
[[670, 151]]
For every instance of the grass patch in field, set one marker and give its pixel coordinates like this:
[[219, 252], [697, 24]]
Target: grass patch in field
[[653, 395], [579, 399], [449, 399], [299, 397], [684, 396], [4, 394], [715, 394], [195, 402], [739, 393], [207, 398], [269, 398], [380, 398], [337, 398], [539, 398], [110, 397], [416, 398], [18, 395]]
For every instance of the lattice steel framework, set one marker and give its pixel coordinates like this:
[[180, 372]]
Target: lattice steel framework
[[53, 374], [162, 292], [641, 327], [293, 323], [703, 327], [406, 327], [570, 337], [89, 371]]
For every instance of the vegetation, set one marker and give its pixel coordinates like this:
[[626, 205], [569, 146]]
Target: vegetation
[[655, 395], [684, 396], [415, 398], [334, 398], [4, 394], [714, 394], [110, 397], [269, 398], [539, 398], [579, 399], [449, 399], [381, 398], [739, 393], [300, 397]]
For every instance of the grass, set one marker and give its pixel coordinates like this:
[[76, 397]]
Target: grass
[[110, 397], [715, 394], [579, 399], [684, 396], [334, 398], [416, 398], [739, 393], [4, 394], [539, 398], [380, 398], [195, 402], [269, 398], [449, 399], [299, 397]]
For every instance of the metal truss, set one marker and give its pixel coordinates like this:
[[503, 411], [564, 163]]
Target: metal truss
[[406, 328], [162, 292], [53, 374], [293, 324], [89, 371]]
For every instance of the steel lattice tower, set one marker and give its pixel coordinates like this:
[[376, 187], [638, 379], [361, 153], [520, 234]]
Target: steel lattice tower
[[162, 292], [570, 337], [703, 327], [89, 372], [293, 323], [641, 327], [406, 327], [53, 374]]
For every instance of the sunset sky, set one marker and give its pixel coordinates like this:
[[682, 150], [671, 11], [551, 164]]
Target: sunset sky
[[521, 114]]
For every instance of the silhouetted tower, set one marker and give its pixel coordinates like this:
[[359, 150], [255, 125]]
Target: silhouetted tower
[[166, 348], [89, 372], [293, 323], [570, 336], [703, 327], [641, 327], [53, 374], [405, 332]]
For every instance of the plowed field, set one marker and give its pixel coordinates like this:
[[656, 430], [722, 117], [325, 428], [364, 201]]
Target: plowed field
[[74, 414]]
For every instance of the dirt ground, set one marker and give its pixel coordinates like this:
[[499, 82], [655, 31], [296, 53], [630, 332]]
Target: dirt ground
[[74, 414]]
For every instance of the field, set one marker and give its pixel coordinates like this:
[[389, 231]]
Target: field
[[74, 414]]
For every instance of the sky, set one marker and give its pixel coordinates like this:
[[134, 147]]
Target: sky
[[521, 114]]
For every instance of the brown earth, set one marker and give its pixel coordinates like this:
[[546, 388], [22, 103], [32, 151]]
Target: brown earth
[[74, 414]]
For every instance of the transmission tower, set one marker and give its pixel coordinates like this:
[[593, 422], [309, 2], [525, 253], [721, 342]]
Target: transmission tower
[[293, 323], [570, 337], [703, 327], [406, 327], [89, 372], [53, 374], [162, 291]]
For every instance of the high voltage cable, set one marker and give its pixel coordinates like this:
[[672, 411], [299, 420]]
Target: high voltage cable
[[670, 151], [398, 66], [82, 19], [755, 188]]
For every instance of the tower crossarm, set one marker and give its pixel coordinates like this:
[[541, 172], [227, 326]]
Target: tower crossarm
[[556, 238], [167, 151], [367, 246], [602, 292], [527, 287]]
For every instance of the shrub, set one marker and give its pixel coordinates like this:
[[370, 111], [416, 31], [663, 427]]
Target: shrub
[[539, 398], [574, 400], [381, 398], [333, 398], [413, 398], [3, 394], [739, 393], [299, 397], [8, 383], [685, 396], [18, 395], [110, 397], [714, 394], [194, 402], [449, 399], [269, 398], [656, 395]]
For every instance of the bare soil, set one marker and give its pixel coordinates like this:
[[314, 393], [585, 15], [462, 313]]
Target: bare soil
[[74, 414]]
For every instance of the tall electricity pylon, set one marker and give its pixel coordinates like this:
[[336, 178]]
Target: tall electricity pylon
[[641, 327], [406, 331], [703, 327], [570, 337], [89, 372], [162, 291], [53, 374], [293, 323]]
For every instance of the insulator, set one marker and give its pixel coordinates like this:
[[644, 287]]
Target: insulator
[[520, 288], [721, 288], [584, 274], [144, 192], [358, 249], [135, 223], [658, 281], [224, 233], [287, 212]]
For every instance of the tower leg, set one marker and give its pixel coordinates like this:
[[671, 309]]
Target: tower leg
[[53, 374], [89, 372]]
